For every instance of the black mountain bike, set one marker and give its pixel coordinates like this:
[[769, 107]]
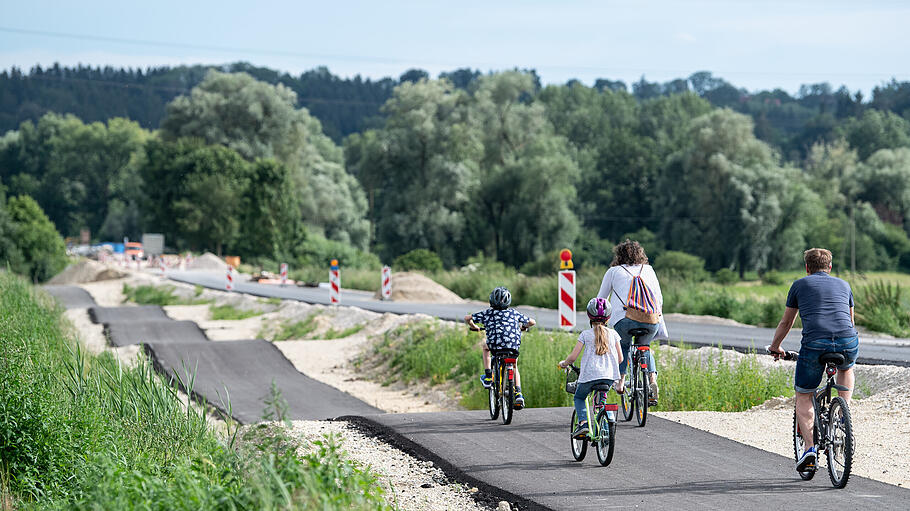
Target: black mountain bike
[[636, 397], [833, 430]]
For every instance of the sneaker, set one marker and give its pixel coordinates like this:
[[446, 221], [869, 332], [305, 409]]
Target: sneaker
[[807, 460], [486, 380], [654, 391], [581, 431], [519, 400]]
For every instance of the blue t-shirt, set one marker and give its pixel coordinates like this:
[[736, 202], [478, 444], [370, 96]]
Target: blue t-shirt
[[824, 306], [503, 327]]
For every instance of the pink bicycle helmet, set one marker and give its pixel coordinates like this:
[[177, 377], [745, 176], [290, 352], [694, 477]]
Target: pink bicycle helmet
[[599, 309]]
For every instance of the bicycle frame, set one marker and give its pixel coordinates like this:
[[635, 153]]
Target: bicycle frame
[[596, 403], [821, 401]]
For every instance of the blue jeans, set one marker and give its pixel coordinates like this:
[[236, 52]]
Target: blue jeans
[[622, 327], [809, 370], [581, 392]]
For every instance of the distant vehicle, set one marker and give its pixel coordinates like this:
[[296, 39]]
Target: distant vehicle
[[133, 250]]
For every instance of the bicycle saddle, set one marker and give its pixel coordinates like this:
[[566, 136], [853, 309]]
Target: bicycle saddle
[[639, 332], [602, 386], [832, 358]]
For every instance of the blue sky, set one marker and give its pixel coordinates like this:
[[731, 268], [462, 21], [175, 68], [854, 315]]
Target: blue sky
[[753, 44]]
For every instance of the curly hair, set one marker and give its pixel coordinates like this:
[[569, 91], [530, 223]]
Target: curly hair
[[629, 252]]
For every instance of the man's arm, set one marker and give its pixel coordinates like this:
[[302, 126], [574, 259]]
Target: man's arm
[[786, 323], [852, 318]]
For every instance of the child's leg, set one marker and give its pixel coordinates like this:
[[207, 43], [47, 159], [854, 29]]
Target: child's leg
[[517, 376], [486, 355], [581, 392]]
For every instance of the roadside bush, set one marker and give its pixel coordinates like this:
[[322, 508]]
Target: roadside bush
[[773, 278], [726, 277], [418, 259], [681, 266], [881, 307], [36, 239], [316, 251]]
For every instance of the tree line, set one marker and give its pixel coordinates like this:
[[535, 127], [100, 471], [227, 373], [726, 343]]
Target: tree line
[[475, 163]]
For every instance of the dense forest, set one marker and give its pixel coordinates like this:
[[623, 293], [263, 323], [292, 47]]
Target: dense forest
[[250, 161]]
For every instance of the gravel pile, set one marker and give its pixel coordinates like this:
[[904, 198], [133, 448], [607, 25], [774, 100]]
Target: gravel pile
[[208, 262], [414, 287], [85, 271]]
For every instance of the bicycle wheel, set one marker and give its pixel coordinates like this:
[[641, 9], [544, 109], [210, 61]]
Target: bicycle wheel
[[579, 445], [627, 398], [840, 442], [606, 438], [494, 394], [641, 396], [507, 400], [799, 445]]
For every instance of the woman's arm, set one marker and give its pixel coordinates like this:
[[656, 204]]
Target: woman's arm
[[572, 356]]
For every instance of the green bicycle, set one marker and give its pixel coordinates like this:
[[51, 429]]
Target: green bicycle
[[601, 430]]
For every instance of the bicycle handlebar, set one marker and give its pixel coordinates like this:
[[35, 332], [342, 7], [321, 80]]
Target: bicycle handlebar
[[786, 355]]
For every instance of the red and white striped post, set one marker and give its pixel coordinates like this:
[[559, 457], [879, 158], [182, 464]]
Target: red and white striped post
[[386, 283], [229, 284], [162, 266], [566, 291], [334, 283], [283, 271]]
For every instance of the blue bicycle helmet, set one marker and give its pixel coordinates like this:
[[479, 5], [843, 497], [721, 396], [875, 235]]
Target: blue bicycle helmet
[[500, 298], [599, 309]]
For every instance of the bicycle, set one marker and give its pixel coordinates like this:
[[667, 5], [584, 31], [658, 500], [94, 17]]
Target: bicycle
[[601, 430], [636, 398], [833, 428], [502, 391]]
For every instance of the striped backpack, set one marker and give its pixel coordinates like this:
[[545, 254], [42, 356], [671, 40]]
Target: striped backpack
[[640, 304]]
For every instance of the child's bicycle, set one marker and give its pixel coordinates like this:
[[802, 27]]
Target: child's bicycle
[[502, 391], [601, 430], [636, 397], [833, 431]]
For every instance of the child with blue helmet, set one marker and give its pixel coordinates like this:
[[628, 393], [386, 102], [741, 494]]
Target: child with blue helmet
[[503, 328]]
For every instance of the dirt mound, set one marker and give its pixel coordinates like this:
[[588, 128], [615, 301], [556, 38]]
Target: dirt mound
[[208, 262], [85, 271], [414, 287]]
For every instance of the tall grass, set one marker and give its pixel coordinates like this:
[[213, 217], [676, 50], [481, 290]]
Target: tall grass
[[81, 431], [438, 354], [882, 306]]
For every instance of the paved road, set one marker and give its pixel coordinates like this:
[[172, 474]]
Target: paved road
[[156, 331], [244, 371], [891, 351], [127, 315], [662, 466], [71, 297]]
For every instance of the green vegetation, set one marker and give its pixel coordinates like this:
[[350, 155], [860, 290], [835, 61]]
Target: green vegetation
[[338, 334], [296, 330], [428, 351], [882, 307], [159, 295], [418, 259], [230, 312], [79, 431], [29, 244]]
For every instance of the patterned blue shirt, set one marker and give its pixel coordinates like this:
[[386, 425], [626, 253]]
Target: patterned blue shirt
[[503, 327]]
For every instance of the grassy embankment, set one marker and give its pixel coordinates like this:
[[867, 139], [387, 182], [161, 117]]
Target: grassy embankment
[[429, 351], [82, 431]]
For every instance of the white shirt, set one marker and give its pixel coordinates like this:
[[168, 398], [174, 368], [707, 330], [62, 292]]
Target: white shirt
[[615, 286], [599, 367]]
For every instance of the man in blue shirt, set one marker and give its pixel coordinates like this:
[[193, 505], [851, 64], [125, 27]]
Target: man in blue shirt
[[825, 306]]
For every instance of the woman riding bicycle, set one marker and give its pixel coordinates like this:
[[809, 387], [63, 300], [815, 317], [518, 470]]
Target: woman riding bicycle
[[629, 263], [600, 364]]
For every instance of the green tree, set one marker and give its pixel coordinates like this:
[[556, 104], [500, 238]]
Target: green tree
[[260, 120], [876, 130], [722, 194], [270, 221], [36, 238], [884, 181]]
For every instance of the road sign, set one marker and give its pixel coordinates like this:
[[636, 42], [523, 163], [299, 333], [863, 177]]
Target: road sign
[[334, 283], [386, 283], [284, 273], [565, 260], [567, 299]]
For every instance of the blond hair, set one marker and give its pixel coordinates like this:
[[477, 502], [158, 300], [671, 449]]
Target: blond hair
[[817, 259], [601, 338]]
